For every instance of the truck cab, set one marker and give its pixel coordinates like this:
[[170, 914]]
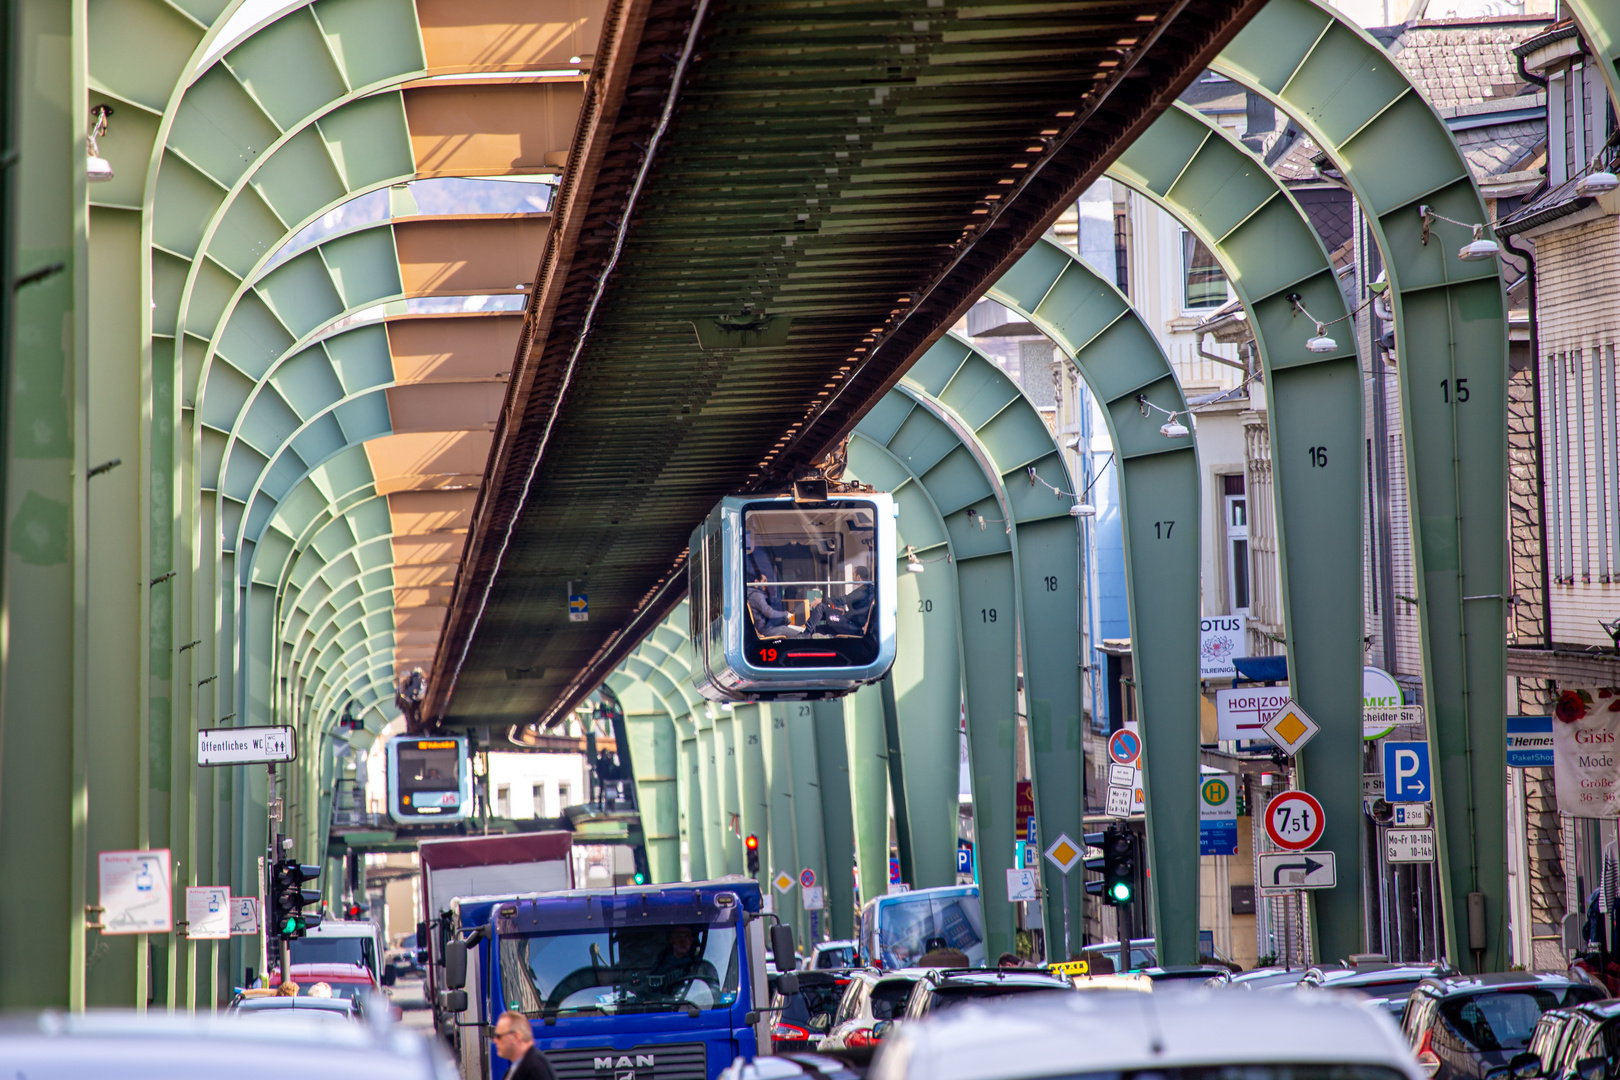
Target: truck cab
[[658, 982]]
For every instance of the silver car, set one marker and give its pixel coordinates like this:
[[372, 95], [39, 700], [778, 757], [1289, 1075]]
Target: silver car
[[1200, 1034], [158, 1046]]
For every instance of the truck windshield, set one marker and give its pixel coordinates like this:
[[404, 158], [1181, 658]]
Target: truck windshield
[[647, 968]]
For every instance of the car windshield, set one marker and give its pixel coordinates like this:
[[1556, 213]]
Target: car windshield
[[335, 950], [1140, 957], [840, 957], [643, 969], [1506, 1019], [911, 925], [948, 997], [812, 1007]]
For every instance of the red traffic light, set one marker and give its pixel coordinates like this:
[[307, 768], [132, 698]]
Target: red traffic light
[[752, 842], [352, 911]]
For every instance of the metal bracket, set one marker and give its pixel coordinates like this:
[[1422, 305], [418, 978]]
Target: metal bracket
[[93, 914]]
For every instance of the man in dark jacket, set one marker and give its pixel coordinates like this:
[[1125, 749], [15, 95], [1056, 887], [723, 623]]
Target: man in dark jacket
[[514, 1041]]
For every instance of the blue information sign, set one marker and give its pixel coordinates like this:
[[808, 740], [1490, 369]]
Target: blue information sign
[[964, 857], [1406, 772], [1529, 742], [1217, 838]]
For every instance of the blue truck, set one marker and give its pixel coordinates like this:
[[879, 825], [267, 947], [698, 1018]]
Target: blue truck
[[653, 982]]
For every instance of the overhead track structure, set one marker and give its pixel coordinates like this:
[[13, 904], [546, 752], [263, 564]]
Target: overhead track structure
[[749, 250], [1397, 157]]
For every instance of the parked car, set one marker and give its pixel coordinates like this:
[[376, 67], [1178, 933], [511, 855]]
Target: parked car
[[805, 1015], [1581, 1041], [405, 958], [789, 1067], [1463, 1026], [1392, 983], [1202, 1034], [871, 997], [1269, 978], [298, 1009], [162, 1046], [1144, 953], [942, 990]]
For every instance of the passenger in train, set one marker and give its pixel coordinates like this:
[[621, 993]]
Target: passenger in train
[[769, 620], [847, 615]]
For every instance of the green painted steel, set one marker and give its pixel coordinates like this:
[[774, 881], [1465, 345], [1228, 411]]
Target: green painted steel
[[779, 849], [1014, 451], [869, 787], [752, 787], [837, 819], [1217, 188], [1451, 337], [654, 758], [1095, 326], [809, 842]]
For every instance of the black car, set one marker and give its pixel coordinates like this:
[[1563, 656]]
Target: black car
[[1581, 1041], [805, 1015], [946, 989], [1462, 1027], [1391, 982]]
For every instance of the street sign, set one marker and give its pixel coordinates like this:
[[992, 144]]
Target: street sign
[[1410, 815], [208, 912], [1409, 845], [244, 916], [1294, 820], [246, 746], [1290, 727], [807, 878], [813, 899], [1064, 853], [964, 857], [1282, 871], [1119, 802], [1221, 638], [136, 896], [783, 881], [1032, 845], [1023, 885], [1121, 775], [1529, 742], [579, 605], [1024, 809], [1124, 747], [1406, 772], [1217, 815], [1240, 713]]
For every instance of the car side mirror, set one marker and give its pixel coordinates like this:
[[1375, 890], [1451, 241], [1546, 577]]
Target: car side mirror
[[1524, 1066], [388, 976], [455, 964], [787, 985], [453, 1001], [881, 1028], [1592, 1068], [782, 950]]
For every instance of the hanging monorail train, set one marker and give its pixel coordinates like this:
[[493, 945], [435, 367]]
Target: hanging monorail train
[[792, 595], [429, 778]]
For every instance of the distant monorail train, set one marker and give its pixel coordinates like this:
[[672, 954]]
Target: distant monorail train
[[792, 596], [429, 778]]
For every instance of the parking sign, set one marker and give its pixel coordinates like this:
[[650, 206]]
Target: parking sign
[[1406, 772]]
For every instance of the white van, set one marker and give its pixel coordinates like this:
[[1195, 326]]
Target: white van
[[336, 941]]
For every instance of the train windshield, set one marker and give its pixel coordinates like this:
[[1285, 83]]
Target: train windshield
[[810, 584], [430, 774]]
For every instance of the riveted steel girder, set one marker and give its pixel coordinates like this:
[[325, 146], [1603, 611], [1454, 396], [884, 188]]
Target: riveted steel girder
[[1221, 191], [1396, 156]]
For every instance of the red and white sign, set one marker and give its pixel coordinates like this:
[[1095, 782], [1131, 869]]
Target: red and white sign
[[1294, 820]]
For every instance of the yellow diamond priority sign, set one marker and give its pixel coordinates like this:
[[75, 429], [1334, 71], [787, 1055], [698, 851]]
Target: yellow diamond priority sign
[[1064, 853], [783, 882], [1290, 728]]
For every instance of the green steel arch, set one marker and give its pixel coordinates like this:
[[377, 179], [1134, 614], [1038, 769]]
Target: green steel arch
[[1599, 23], [1396, 155], [1120, 359], [1217, 188]]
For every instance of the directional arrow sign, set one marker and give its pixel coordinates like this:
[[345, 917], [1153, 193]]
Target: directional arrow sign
[[1406, 772], [1286, 870]]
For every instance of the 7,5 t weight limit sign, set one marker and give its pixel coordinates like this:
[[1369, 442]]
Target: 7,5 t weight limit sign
[[1294, 820]]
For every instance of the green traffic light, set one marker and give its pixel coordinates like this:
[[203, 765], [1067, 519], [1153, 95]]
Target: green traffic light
[[641, 879], [289, 925], [1122, 893]]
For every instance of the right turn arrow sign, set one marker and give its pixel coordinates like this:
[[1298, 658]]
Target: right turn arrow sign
[[1287, 870]]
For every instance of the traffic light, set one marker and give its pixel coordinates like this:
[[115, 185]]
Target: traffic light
[[288, 898], [354, 911], [752, 844], [1095, 865], [1119, 865]]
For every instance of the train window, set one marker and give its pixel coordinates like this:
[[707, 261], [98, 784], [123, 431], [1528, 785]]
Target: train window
[[809, 584], [428, 778]]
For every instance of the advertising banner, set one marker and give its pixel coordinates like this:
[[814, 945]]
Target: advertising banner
[[1244, 712], [1585, 730], [1220, 639]]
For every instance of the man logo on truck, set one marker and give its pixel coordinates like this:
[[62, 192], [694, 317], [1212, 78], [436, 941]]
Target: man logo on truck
[[643, 1061]]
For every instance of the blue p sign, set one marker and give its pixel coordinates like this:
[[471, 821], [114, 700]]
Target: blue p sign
[[1406, 772]]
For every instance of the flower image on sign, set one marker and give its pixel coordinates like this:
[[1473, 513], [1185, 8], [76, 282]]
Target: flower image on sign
[[1220, 639], [1586, 758]]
